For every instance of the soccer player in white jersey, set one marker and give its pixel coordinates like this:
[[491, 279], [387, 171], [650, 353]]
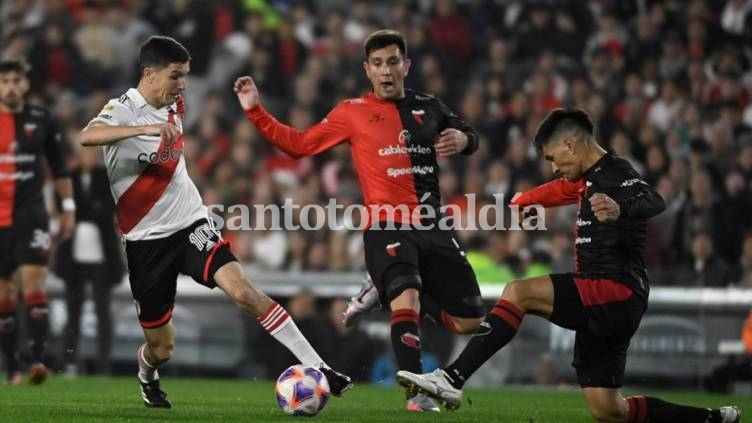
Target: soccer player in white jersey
[[164, 222]]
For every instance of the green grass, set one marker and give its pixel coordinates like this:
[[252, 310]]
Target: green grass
[[233, 401]]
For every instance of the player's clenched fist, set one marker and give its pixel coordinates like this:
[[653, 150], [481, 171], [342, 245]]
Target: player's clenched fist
[[247, 93], [604, 207]]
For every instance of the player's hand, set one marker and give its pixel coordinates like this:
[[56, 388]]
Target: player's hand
[[168, 134], [67, 222], [450, 141], [247, 92], [604, 207]]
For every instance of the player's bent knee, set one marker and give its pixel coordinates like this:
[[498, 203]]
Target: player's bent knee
[[605, 413], [162, 351], [466, 326]]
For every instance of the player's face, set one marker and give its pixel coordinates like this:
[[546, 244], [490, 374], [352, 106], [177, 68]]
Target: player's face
[[564, 161], [386, 69], [13, 88], [169, 82]]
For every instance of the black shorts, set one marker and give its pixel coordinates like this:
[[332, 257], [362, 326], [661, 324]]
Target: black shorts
[[431, 261], [605, 314], [153, 266], [26, 242]]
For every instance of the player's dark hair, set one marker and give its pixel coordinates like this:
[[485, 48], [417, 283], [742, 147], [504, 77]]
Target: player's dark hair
[[384, 38], [575, 122], [159, 51], [14, 65]]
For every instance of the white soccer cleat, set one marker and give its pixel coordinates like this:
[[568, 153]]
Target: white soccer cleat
[[731, 414], [435, 384], [364, 301]]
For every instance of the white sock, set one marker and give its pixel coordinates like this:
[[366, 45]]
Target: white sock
[[278, 323], [146, 372]]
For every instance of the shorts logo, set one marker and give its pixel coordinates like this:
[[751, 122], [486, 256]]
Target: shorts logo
[[412, 341], [201, 237], [391, 249], [40, 240], [138, 307]]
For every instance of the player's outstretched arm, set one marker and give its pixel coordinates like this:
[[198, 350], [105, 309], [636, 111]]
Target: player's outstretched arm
[[98, 133], [559, 192], [320, 137]]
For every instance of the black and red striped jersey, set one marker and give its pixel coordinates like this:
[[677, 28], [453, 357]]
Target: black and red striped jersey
[[27, 138], [392, 144], [611, 249]]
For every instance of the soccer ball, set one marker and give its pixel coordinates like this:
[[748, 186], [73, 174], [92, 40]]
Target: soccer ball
[[302, 390]]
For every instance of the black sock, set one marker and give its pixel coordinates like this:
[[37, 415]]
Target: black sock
[[406, 340], [38, 325], [429, 309], [9, 336], [496, 331], [654, 410]]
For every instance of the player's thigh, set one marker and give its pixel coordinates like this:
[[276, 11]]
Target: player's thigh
[[447, 275], [152, 273], [33, 277], [392, 261], [599, 361], [568, 309]]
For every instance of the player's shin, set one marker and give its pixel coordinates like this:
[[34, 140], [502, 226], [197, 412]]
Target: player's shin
[[495, 332], [38, 322], [9, 335], [406, 339], [280, 325]]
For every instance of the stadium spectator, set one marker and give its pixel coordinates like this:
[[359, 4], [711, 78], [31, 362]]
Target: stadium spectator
[[603, 302], [403, 263], [29, 136], [164, 222], [91, 257]]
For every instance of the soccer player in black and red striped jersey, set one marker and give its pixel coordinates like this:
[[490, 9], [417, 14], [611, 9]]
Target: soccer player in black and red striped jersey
[[603, 301], [28, 136], [395, 136]]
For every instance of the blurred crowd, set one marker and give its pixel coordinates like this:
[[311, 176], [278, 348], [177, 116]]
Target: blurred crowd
[[668, 84]]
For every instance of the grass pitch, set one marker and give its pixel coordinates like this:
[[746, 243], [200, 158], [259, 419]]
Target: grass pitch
[[86, 400]]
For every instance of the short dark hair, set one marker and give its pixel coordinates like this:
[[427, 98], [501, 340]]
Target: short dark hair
[[159, 51], [558, 121], [14, 65], [384, 38]]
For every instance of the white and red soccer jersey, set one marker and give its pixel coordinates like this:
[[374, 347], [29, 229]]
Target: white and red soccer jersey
[[155, 196]]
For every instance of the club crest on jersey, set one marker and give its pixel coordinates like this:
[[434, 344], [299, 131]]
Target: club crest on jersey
[[29, 129], [404, 137], [391, 249], [418, 115]]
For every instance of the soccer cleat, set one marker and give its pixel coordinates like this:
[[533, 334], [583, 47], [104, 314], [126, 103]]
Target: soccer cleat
[[154, 396], [421, 403], [338, 383], [37, 373], [435, 384], [14, 378], [731, 414], [365, 300]]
